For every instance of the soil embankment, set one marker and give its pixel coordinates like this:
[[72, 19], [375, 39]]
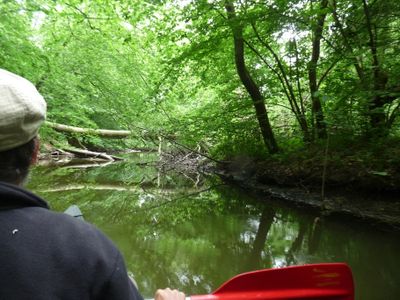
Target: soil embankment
[[347, 189]]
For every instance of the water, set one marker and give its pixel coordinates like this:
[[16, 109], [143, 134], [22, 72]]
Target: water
[[187, 232]]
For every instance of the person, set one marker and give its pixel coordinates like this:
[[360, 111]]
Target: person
[[45, 254]]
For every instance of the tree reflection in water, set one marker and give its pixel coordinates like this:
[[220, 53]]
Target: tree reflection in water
[[174, 232]]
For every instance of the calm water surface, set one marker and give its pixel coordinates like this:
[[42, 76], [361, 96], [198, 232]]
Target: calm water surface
[[191, 233]]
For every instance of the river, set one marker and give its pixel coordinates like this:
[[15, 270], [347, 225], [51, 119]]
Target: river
[[194, 233]]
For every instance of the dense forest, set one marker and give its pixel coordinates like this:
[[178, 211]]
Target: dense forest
[[298, 84]]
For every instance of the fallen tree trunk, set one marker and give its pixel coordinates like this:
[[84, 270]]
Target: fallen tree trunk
[[87, 153], [107, 133], [118, 188], [100, 132]]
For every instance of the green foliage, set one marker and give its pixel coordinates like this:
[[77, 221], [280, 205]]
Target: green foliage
[[167, 68]]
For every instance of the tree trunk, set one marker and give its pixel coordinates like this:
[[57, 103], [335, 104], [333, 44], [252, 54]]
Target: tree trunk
[[100, 132], [376, 112], [266, 221], [318, 115], [248, 82], [287, 88], [381, 93]]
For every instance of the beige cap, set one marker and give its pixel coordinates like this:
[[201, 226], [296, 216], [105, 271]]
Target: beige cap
[[22, 110]]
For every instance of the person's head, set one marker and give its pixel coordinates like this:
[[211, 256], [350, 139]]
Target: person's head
[[22, 111]]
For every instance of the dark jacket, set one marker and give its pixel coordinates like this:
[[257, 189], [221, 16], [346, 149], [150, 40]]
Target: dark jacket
[[49, 255]]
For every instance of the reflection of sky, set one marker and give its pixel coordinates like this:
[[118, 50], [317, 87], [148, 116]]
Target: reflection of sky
[[279, 262], [143, 198], [247, 237]]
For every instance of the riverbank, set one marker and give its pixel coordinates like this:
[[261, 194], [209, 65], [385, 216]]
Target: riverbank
[[363, 185]]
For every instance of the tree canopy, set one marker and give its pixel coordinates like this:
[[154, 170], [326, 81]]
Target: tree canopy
[[229, 76]]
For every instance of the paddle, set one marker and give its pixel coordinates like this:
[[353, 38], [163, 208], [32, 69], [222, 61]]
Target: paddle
[[74, 211], [316, 281]]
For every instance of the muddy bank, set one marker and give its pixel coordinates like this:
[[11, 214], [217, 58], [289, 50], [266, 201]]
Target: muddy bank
[[357, 193], [361, 197]]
